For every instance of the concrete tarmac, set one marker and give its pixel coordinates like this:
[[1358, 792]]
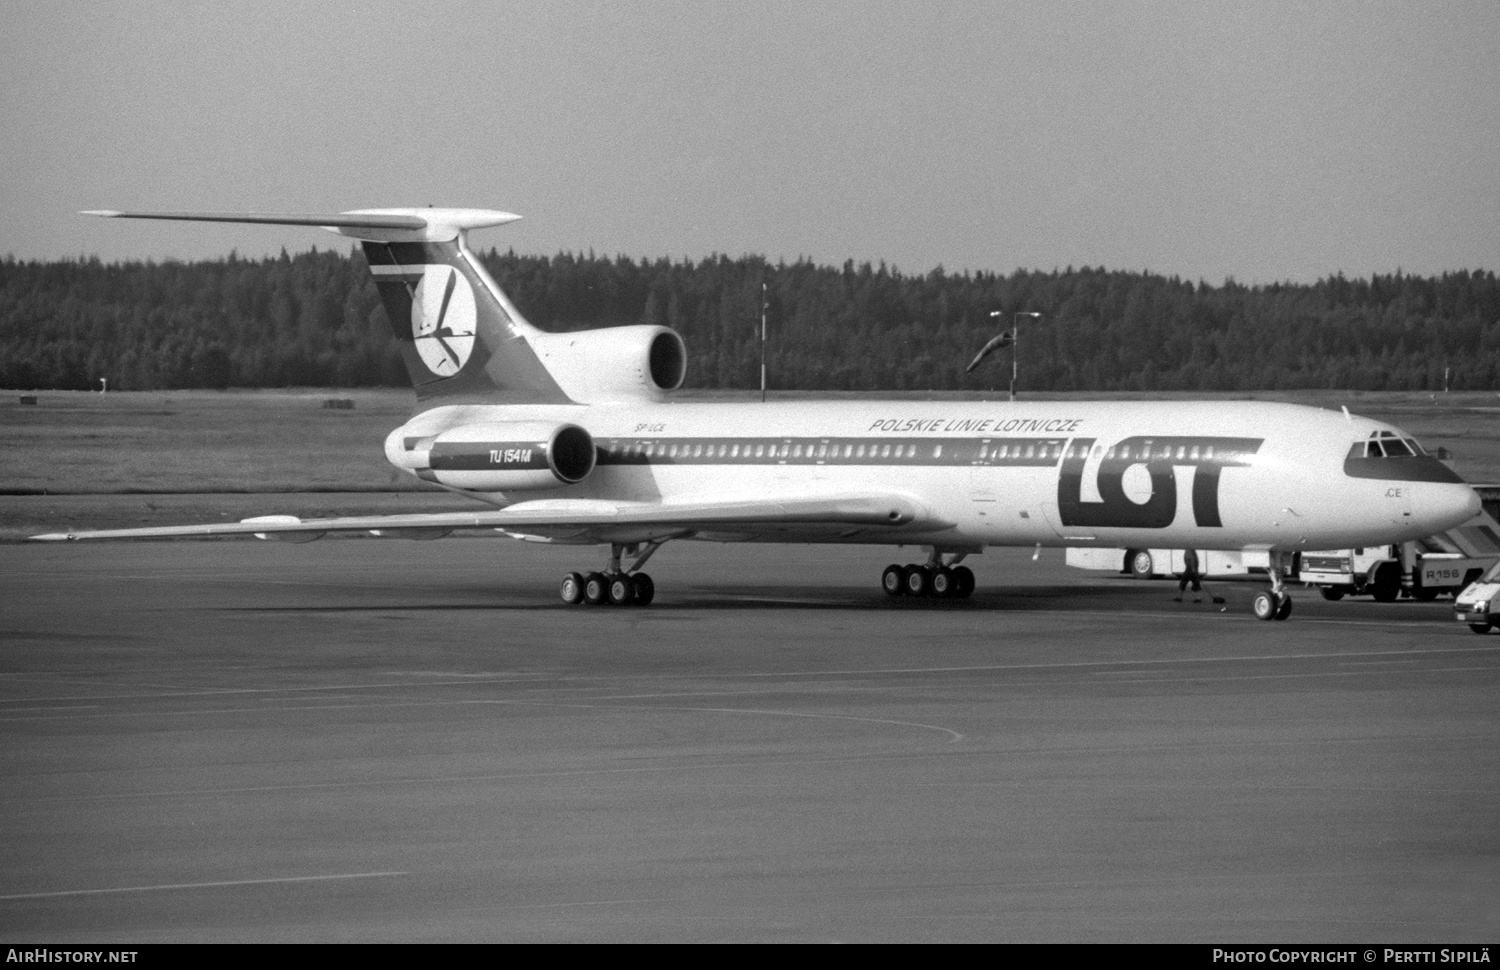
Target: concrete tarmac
[[373, 740]]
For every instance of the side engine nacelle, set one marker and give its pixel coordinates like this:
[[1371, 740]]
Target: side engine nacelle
[[634, 363], [502, 456]]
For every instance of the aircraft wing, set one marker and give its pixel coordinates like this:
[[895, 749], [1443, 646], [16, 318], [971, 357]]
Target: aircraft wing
[[578, 520]]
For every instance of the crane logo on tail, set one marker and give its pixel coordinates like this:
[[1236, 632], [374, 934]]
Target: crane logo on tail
[[442, 319]]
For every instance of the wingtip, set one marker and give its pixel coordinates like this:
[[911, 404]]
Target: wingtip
[[102, 213], [50, 537]]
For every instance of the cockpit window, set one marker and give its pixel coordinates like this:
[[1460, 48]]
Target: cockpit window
[[1396, 448], [1386, 444]]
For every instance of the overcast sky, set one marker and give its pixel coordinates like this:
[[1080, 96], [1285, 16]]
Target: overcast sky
[[1264, 141]]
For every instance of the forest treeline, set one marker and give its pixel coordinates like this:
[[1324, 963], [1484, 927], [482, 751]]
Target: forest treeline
[[314, 319]]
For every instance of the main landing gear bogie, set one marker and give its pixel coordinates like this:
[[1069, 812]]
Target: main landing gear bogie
[[604, 589], [934, 580], [615, 586]]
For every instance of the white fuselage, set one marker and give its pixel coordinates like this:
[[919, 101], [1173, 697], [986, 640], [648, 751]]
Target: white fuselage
[[1191, 474]]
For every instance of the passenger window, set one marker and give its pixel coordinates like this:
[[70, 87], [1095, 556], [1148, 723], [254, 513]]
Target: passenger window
[[937, 451], [885, 451]]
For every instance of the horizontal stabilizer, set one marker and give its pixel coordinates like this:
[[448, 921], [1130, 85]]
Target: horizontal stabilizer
[[412, 224]]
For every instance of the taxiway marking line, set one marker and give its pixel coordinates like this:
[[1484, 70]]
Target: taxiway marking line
[[167, 887], [1115, 677], [534, 681], [866, 757]]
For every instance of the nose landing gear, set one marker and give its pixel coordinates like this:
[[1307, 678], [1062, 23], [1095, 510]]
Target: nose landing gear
[[1274, 603], [615, 585]]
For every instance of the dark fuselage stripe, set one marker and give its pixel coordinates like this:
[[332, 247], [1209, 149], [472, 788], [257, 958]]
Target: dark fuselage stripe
[[862, 451], [1034, 452]]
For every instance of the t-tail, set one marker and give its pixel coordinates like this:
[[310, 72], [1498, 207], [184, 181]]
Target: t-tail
[[460, 337]]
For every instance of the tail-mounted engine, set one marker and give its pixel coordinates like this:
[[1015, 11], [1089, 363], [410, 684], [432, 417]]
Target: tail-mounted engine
[[614, 364], [503, 456]]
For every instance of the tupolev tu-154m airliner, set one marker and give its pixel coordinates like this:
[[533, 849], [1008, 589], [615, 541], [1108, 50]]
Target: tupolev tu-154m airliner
[[573, 438]]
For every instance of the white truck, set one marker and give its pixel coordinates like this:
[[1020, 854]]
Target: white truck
[[1423, 570]]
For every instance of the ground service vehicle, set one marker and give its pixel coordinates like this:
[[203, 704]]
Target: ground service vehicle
[[1478, 604], [1421, 569]]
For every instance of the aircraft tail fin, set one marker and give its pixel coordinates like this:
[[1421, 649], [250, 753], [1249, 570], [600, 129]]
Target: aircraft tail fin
[[460, 337]]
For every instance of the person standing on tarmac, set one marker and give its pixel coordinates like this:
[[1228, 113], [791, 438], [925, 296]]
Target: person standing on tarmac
[[1190, 574]]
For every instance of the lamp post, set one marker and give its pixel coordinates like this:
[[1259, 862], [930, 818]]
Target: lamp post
[[1015, 343], [763, 306]]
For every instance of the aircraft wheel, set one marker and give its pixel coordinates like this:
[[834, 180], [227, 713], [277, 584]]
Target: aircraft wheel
[[964, 576], [1141, 566], [1284, 608], [944, 585], [1331, 593], [918, 581], [645, 589], [622, 590], [893, 580], [1265, 605], [595, 589], [1480, 627], [572, 589]]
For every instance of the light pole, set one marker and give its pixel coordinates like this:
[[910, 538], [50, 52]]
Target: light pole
[[763, 306], [1015, 343]]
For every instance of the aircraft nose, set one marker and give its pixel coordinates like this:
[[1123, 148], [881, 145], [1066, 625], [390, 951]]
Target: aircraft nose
[[1445, 505]]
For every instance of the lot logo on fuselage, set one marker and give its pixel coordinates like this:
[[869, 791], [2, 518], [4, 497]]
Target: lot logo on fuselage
[[1159, 456], [442, 319]]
